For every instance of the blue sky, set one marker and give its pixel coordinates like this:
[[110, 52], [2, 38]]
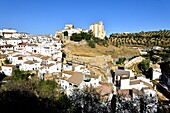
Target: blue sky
[[47, 16]]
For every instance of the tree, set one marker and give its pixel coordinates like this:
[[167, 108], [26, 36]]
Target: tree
[[113, 75], [17, 73], [76, 37], [90, 32], [65, 33], [85, 36], [106, 38], [19, 96], [121, 60], [89, 102], [7, 61], [138, 104], [46, 89], [144, 65], [91, 44], [155, 58]]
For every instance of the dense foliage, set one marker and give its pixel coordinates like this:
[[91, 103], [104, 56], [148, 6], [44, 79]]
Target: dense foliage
[[46, 89], [90, 39], [65, 33], [32, 96], [17, 73], [7, 61], [81, 36], [144, 65], [91, 43]]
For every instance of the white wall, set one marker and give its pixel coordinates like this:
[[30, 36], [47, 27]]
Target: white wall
[[7, 70], [66, 75], [55, 68], [78, 68], [125, 84], [156, 74], [30, 67], [67, 67]]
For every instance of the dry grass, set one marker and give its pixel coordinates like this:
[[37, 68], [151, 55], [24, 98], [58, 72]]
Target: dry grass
[[85, 50]]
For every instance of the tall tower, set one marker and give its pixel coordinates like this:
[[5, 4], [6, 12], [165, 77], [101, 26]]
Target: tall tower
[[98, 30]]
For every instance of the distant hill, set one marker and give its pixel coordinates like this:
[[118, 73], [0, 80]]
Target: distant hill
[[150, 38]]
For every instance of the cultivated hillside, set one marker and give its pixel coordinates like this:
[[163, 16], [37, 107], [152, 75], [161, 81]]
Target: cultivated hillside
[[151, 38]]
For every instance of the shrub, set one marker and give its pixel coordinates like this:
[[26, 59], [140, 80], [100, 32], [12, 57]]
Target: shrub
[[121, 60], [91, 44]]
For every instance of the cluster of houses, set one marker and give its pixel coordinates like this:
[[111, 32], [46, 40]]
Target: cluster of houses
[[42, 55], [127, 83], [39, 57], [12, 33]]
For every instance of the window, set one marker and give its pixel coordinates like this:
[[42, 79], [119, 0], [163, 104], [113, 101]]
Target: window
[[75, 86], [150, 95]]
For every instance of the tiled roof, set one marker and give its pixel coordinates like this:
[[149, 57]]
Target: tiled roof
[[9, 65], [76, 78], [104, 89], [2, 56], [119, 72], [31, 62]]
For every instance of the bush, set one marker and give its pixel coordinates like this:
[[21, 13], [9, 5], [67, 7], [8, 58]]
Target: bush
[[121, 60], [144, 65], [76, 37], [46, 89], [7, 61], [21, 74], [81, 36], [91, 44]]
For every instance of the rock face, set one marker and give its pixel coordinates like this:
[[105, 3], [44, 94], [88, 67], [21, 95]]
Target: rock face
[[98, 61]]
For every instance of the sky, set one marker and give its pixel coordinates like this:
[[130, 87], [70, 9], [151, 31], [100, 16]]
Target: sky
[[47, 16]]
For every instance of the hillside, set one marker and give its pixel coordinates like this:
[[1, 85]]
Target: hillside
[[86, 51], [99, 56], [151, 38]]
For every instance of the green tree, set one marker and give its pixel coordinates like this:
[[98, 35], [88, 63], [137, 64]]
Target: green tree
[[91, 33], [144, 65], [17, 73], [46, 89], [155, 58], [7, 61], [91, 44], [85, 36], [106, 38], [65, 33], [121, 60], [76, 37]]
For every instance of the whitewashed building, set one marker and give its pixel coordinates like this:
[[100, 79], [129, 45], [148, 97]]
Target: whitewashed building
[[7, 69], [156, 73], [8, 33]]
